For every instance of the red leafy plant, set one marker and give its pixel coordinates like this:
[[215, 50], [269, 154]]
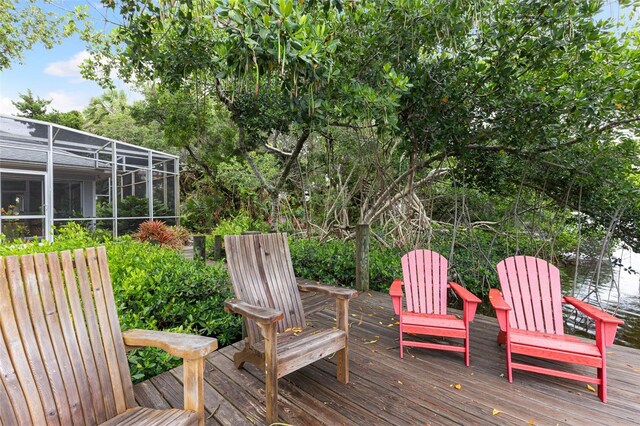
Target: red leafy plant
[[158, 232]]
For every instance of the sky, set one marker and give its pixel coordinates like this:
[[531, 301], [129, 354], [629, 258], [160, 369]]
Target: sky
[[54, 73]]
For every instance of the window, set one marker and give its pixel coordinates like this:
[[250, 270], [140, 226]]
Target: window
[[67, 199]]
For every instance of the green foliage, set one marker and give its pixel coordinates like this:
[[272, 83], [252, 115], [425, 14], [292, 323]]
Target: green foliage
[[242, 222], [154, 288], [35, 107], [334, 262], [24, 24], [130, 206]]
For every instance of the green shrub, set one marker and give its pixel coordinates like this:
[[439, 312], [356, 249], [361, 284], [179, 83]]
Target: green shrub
[[235, 226], [334, 262]]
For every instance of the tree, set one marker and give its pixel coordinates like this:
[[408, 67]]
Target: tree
[[35, 107], [270, 64], [24, 23], [31, 106]]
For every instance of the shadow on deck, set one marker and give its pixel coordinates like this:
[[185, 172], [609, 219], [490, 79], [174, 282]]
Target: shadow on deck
[[418, 390]]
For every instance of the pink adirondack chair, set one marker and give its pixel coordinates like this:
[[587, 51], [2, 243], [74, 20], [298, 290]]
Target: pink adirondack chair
[[425, 287], [529, 312]]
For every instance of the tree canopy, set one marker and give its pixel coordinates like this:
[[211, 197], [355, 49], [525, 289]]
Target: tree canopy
[[496, 95]]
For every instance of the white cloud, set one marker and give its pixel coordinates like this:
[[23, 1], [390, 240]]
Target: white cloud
[[68, 68], [6, 107], [67, 101]]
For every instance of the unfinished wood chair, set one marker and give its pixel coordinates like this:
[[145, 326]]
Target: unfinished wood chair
[[278, 341], [529, 311], [62, 354], [425, 287]]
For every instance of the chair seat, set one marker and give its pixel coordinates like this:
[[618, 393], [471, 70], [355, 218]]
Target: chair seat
[[432, 320], [560, 343], [297, 348], [141, 416]]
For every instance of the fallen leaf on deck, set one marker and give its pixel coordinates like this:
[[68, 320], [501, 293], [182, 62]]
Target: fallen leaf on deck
[[531, 423], [370, 342], [380, 322], [360, 322], [494, 412], [397, 323], [353, 315], [591, 388], [390, 325], [457, 386], [400, 382], [502, 375], [369, 294]]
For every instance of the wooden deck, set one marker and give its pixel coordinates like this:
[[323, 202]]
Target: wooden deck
[[419, 390]]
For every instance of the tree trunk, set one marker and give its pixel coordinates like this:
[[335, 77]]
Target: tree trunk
[[362, 256], [275, 210]]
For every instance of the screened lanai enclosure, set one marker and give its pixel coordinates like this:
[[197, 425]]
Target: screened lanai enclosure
[[51, 175]]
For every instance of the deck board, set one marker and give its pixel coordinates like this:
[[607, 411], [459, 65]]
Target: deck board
[[419, 389]]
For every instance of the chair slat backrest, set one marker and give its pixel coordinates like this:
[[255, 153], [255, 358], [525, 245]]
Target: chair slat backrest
[[425, 281], [62, 358], [262, 275], [531, 286]]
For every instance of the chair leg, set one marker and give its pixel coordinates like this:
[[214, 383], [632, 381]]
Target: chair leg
[[508, 356], [602, 387], [342, 320], [466, 347], [342, 365], [194, 387], [271, 371]]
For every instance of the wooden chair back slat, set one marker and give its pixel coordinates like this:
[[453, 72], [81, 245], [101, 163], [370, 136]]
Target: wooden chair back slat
[[82, 334], [7, 414], [112, 314], [104, 323], [39, 399], [91, 319], [62, 358], [70, 337], [531, 286], [262, 274], [58, 345], [16, 382], [425, 281]]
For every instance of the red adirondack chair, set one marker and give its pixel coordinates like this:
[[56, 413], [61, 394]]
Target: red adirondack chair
[[425, 287], [529, 312]]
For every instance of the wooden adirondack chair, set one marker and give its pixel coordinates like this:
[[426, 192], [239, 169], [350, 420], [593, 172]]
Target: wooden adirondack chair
[[425, 287], [62, 355], [529, 312], [278, 341]]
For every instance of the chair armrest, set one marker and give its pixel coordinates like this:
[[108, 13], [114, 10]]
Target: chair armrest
[[606, 324], [186, 346], [591, 311], [396, 296], [470, 301], [464, 294], [501, 307], [497, 301], [333, 291], [396, 288], [256, 313]]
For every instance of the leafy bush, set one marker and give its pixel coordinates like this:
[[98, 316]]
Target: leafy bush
[[334, 262], [157, 232], [130, 206], [155, 288], [235, 226]]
